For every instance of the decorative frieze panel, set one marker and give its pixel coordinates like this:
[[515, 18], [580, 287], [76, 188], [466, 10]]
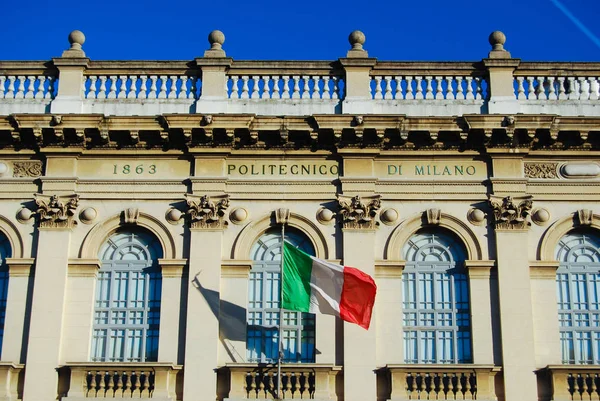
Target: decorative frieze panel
[[207, 212], [27, 169], [511, 213], [359, 213], [56, 211], [541, 170]]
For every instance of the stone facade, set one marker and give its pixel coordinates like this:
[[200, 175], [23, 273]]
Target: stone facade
[[201, 159]]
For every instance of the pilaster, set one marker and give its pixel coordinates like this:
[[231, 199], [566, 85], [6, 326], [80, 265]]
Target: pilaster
[[388, 308], [169, 338], [479, 272], [545, 312]]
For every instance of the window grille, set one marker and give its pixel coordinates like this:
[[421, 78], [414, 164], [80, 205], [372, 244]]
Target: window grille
[[436, 317], [263, 305], [127, 303], [578, 297]]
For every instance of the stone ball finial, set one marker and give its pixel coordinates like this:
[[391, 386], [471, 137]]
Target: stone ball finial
[[76, 39], [497, 40], [216, 39], [357, 40]]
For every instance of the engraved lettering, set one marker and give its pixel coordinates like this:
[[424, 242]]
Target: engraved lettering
[[470, 170], [243, 169]]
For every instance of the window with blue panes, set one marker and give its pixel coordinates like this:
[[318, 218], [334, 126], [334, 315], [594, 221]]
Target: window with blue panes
[[436, 315], [127, 302], [5, 252], [263, 305], [578, 296]]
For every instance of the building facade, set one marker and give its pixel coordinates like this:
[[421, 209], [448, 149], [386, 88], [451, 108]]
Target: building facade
[[141, 206]]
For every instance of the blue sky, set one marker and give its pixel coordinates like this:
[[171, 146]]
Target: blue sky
[[304, 30]]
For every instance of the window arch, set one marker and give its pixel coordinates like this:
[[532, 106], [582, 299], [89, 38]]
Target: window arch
[[578, 296], [127, 302], [5, 252], [263, 304], [437, 327]]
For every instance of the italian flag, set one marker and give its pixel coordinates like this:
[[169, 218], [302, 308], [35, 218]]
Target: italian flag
[[317, 286]]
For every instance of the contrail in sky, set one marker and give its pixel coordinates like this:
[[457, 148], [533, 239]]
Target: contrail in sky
[[577, 23]]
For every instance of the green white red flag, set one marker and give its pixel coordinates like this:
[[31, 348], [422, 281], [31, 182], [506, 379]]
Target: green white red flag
[[316, 286]]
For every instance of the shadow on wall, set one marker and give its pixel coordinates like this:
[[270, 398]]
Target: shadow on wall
[[231, 317]]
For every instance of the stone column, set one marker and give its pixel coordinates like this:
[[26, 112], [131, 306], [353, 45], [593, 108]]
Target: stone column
[[481, 310], [514, 290], [206, 215], [71, 66], [500, 66], [357, 66], [20, 287], [170, 304], [79, 311], [360, 346], [545, 312], [56, 220]]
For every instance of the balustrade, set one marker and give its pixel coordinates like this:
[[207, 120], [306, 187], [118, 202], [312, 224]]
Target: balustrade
[[557, 88], [114, 380], [140, 87], [569, 382], [422, 87], [302, 381], [439, 382], [10, 376], [303, 87]]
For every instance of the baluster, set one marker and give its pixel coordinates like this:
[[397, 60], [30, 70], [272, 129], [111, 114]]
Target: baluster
[[92, 90], [2, 81], [261, 386], [30, 87], [183, 90], [153, 87], [326, 93], [118, 387], [266, 89], [296, 90], [173, 89], [162, 94], [530, 89], [143, 94], [409, 89], [21, 88], [460, 93], [407, 386], [235, 94], [449, 89], [467, 387], [336, 90], [316, 94], [439, 94], [144, 380], [388, 88], [51, 88], [594, 88], [10, 94], [132, 87], [102, 383], [275, 93], [102, 90], [93, 384], [413, 387], [40, 90], [450, 385], [398, 92], [288, 384], [253, 380], [112, 92], [123, 89], [551, 89], [459, 386], [305, 88], [286, 87], [571, 89], [419, 94], [429, 88], [126, 384], [561, 88], [593, 386], [255, 93], [469, 95], [420, 379], [245, 89], [377, 88], [541, 90], [109, 385], [520, 88], [479, 88], [583, 95], [270, 384], [194, 93]]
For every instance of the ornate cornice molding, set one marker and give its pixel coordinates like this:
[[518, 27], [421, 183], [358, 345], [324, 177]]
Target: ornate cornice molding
[[511, 212], [206, 212], [359, 213], [56, 211]]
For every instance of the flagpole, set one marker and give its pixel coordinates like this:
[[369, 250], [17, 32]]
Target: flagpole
[[282, 216]]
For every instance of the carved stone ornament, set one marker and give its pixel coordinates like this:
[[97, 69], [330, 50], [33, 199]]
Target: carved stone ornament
[[585, 217], [359, 213], [56, 211], [511, 213], [207, 212], [27, 169], [434, 216], [541, 170], [282, 216], [131, 215]]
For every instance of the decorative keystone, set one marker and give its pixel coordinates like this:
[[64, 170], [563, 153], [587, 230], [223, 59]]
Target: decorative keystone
[[216, 39], [76, 39], [359, 213], [357, 40], [497, 40]]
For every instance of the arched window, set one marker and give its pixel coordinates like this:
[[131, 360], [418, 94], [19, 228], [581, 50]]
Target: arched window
[[127, 304], [437, 326], [578, 296], [5, 252], [263, 305]]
